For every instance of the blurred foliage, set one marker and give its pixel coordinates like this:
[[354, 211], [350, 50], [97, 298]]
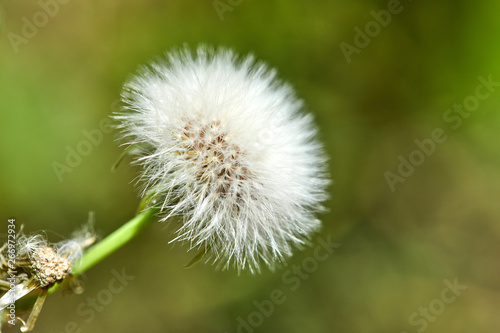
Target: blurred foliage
[[397, 247]]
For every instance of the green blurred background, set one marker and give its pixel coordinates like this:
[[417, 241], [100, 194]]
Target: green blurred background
[[396, 247]]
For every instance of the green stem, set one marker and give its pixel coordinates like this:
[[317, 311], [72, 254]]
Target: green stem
[[114, 241]]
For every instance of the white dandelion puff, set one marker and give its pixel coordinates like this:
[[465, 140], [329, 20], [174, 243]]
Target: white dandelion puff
[[230, 149]]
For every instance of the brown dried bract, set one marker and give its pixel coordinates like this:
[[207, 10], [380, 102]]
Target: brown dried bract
[[48, 268]]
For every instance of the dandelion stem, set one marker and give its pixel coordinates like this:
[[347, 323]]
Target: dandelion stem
[[115, 240]]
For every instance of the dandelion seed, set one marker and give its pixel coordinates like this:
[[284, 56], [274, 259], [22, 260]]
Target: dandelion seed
[[230, 149], [28, 245]]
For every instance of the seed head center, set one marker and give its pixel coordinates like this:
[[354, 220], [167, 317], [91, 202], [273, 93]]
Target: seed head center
[[217, 160], [48, 267]]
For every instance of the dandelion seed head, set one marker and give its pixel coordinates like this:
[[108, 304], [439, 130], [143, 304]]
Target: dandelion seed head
[[230, 150], [48, 267]]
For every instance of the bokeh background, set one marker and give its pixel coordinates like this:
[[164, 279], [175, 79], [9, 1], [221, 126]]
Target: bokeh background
[[396, 247]]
